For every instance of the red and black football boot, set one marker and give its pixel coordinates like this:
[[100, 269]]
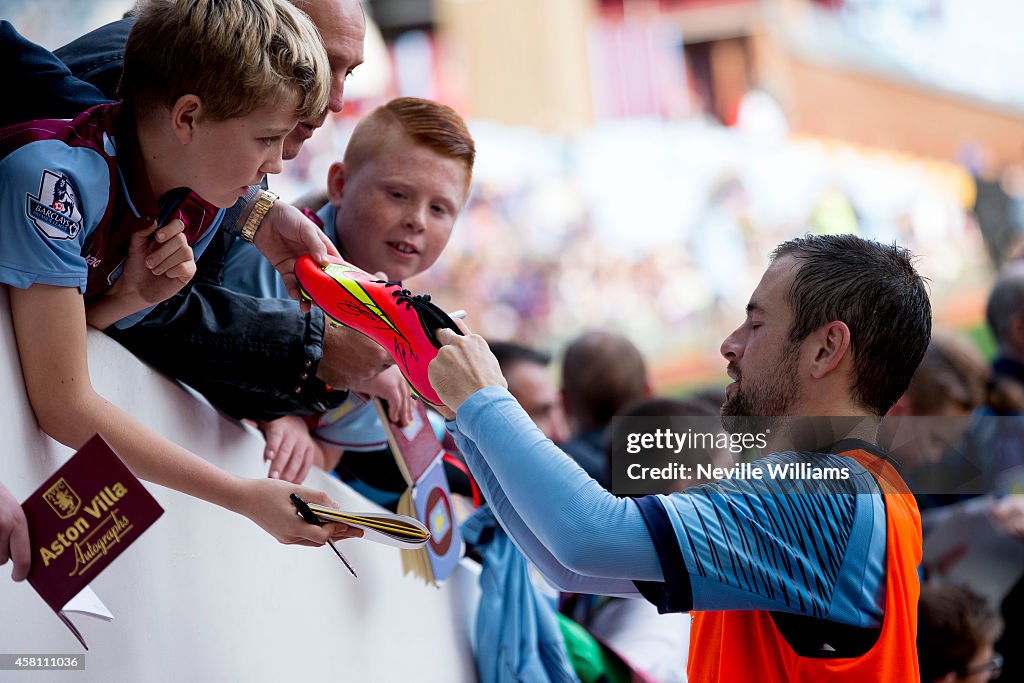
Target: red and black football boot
[[403, 323]]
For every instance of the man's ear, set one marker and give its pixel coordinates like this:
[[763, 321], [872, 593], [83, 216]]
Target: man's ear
[[830, 345], [185, 113], [336, 177]]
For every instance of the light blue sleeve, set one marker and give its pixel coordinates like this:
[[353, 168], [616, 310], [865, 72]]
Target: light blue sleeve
[[52, 197], [586, 529], [557, 574]]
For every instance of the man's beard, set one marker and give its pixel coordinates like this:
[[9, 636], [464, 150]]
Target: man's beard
[[759, 405]]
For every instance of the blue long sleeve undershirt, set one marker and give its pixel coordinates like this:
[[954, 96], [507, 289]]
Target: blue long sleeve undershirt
[[542, 498]]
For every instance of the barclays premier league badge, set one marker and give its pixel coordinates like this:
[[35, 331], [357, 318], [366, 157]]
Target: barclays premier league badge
[[55, 210]]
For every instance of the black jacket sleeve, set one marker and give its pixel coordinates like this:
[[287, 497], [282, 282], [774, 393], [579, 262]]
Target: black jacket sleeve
[[252, 357], [98, 56], [38, 85]]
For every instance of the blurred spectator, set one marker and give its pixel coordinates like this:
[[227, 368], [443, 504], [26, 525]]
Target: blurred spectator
[[951, 381], [999, 206], [952, 378], [602, 372], [989, 458], [1005, 317], [955, 636], [529, 380], [998, 444], [1001, 441], [722, 243]]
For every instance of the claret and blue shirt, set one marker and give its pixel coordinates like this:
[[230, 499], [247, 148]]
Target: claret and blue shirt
[[72, 193]]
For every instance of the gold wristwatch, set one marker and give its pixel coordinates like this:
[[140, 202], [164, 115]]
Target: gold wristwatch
[[263, 205]]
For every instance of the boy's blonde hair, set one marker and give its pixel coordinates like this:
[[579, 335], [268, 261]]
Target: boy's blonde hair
[[235, 55], [435, 126]]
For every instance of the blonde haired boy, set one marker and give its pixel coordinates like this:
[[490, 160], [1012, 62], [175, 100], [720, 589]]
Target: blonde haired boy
[[211, 89]]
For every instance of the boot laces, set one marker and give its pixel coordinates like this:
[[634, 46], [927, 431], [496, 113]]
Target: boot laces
[[404, 296]]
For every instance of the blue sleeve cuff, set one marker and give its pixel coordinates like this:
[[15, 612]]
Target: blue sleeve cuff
[[15, 277], [472, 415]]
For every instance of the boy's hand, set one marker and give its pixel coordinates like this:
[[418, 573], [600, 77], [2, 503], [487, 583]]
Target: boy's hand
[[159, 263], [14, 543], [290, 448], [266, 502], [156, 269], [390, 386], [284, 236], [463, 366]]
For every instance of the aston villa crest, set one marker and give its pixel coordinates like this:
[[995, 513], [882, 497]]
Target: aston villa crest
[[55, 210], [62, 499]]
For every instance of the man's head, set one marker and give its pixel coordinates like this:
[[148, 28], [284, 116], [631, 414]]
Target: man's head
[[836, 326], [956, 632], [529, 381], [231, 78], [1005, 311], [403, 181], [342, 27], [601, 373]]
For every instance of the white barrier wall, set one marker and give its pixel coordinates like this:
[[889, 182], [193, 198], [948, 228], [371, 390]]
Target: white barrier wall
[[205, 594]]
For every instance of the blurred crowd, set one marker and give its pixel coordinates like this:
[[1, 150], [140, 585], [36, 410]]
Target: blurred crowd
[[662, 228], [654, 233]]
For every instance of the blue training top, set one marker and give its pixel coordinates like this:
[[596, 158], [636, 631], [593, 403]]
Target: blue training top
[[750, 544]]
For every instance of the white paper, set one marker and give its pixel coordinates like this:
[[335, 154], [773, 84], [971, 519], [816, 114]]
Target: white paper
[[963, 545], [89, 604]]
